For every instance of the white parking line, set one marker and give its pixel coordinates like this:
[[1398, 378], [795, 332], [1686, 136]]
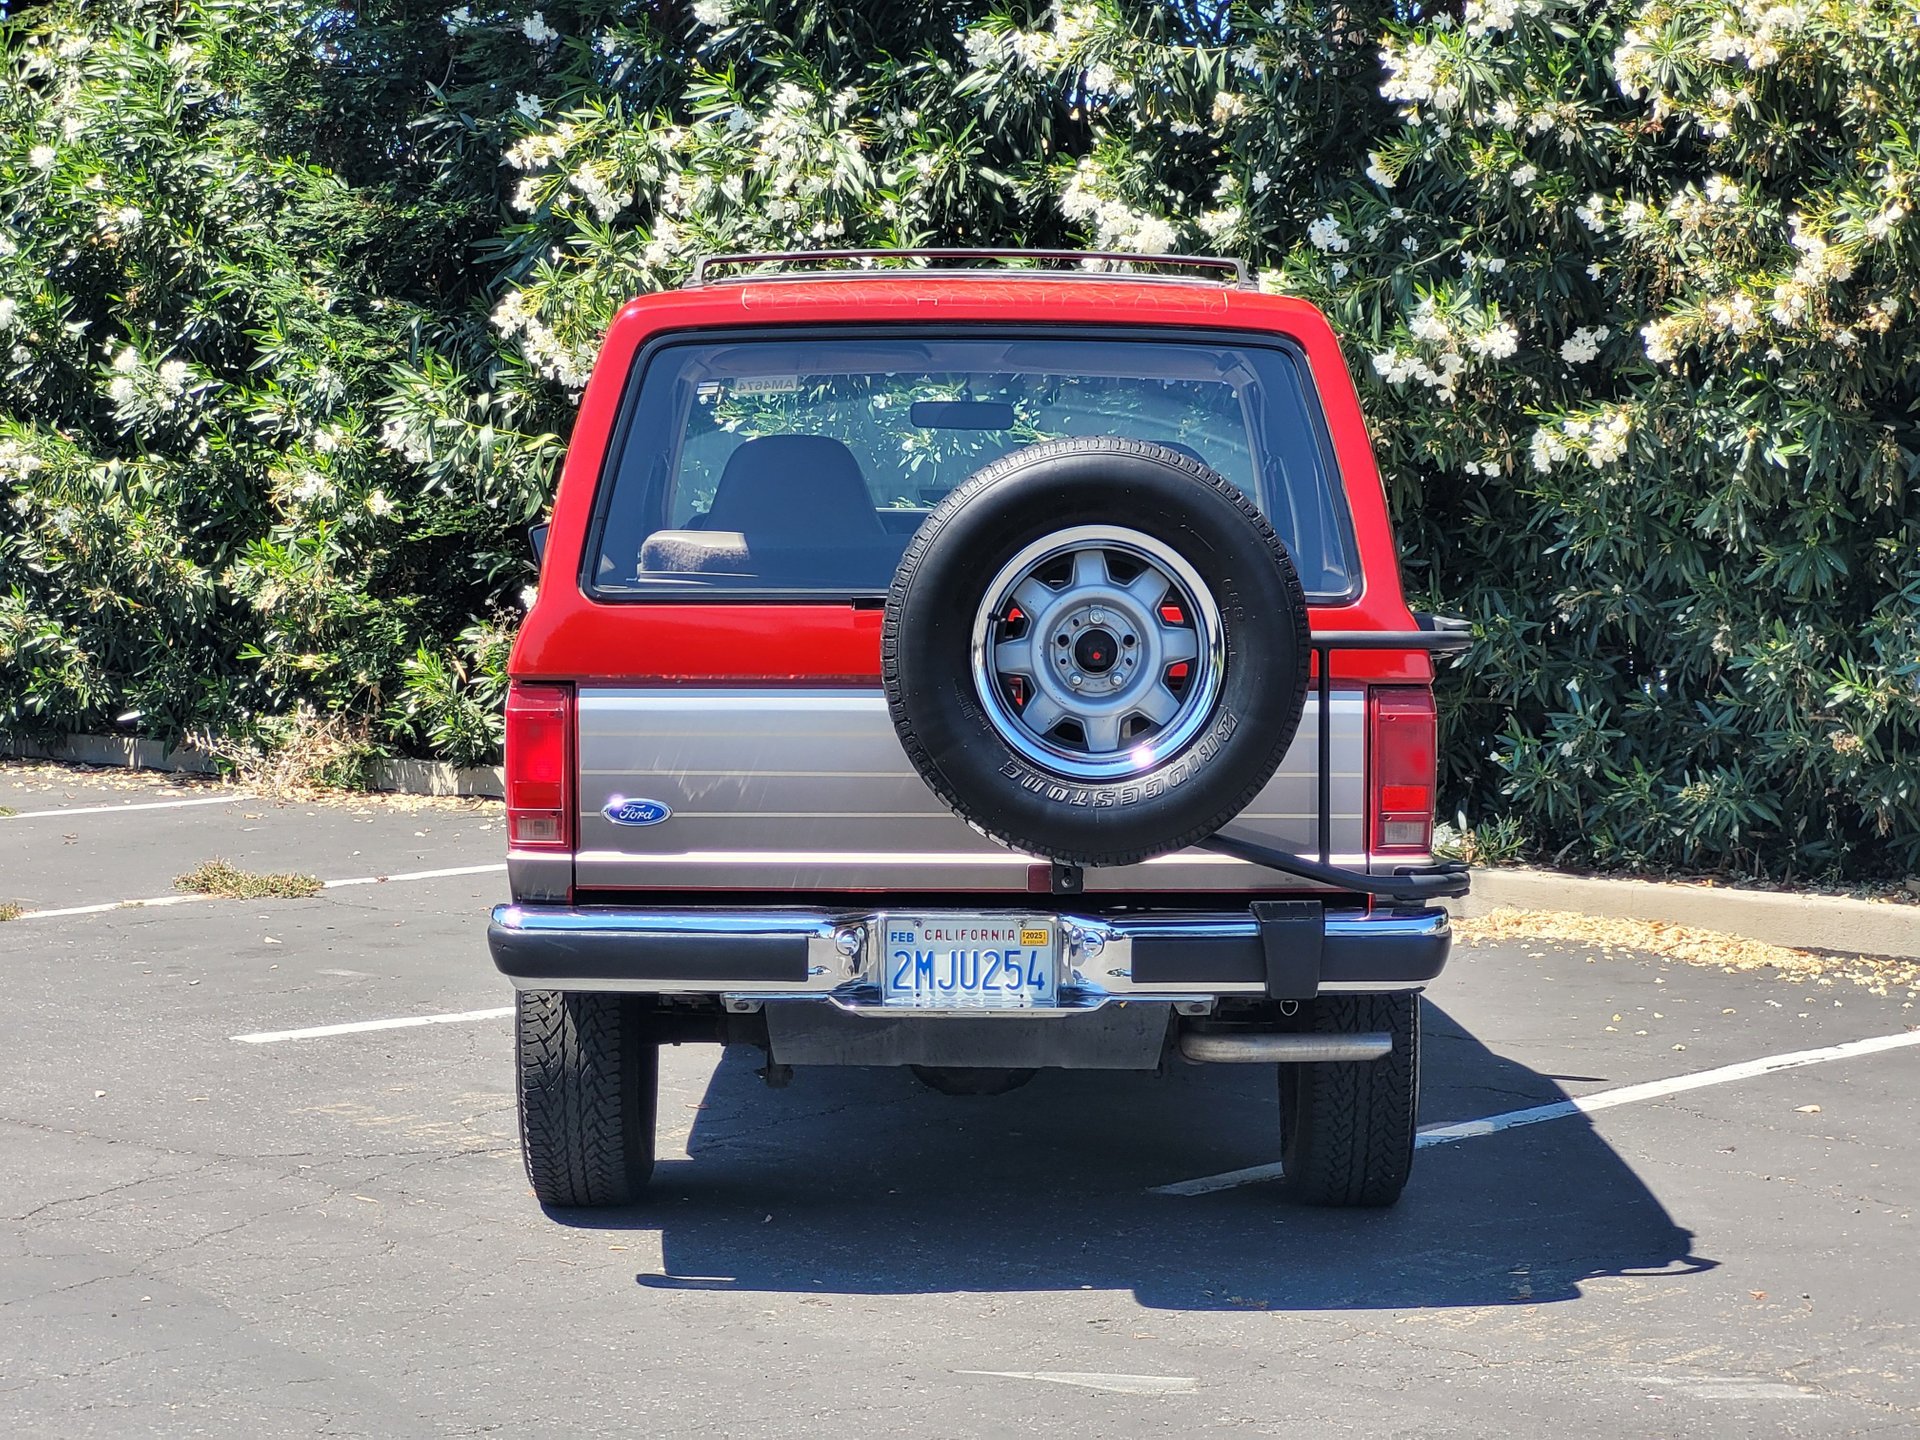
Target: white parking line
[[122, 809], [156, 901], [497, 866], [1095, 1380], [1585, 1104], [404, 1022], [1724, 1387]]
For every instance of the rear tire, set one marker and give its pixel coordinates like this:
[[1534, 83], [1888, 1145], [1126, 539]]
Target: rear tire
[[589, 1083], [1347, 1127]]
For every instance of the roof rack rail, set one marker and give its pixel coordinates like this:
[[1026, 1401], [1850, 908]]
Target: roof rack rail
[[990, 261]]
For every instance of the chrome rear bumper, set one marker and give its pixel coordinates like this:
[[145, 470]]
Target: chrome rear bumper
[[752, 956]]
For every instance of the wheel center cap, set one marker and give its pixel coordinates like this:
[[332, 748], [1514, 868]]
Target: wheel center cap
[[1095, 651]]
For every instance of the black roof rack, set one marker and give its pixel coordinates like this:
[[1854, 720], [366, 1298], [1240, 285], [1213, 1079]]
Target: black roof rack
[[987, 261]]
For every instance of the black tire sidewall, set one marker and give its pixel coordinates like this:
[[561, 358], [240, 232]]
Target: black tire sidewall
[[928, 634]]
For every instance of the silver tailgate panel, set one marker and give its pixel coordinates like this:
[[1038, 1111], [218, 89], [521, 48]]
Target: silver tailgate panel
[[810, 790]]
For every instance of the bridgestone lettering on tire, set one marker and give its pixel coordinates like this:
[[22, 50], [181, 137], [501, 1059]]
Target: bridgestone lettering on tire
[[589, 1080], [1096, 650]]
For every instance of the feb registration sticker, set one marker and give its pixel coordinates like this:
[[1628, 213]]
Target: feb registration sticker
[[969, 962]]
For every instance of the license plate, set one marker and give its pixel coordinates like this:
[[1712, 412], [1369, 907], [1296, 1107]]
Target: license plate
[[969, 962]]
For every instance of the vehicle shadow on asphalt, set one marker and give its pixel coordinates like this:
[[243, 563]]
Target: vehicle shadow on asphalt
[[865, 1182]]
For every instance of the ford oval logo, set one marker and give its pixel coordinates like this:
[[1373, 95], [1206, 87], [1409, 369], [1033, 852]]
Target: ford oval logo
[[636, 812]]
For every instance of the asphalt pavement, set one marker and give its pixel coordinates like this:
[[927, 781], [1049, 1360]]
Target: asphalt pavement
[[330, 1234]]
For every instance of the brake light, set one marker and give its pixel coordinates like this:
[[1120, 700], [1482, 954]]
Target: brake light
[[539, 765], [1402, 759]]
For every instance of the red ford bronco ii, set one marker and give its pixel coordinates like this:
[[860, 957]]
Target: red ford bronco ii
[[945, 661]]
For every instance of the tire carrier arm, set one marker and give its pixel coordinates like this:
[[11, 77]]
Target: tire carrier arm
[[1412, 884]]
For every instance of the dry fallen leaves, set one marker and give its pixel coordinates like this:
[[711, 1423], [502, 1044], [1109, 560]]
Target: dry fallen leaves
[[1690, 945]]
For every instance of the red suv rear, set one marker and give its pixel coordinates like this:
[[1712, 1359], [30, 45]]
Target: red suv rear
[[976, 669]]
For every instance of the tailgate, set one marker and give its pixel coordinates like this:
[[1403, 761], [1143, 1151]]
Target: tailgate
[[809, 790]]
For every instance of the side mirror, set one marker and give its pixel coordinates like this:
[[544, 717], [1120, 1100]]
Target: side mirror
[[537, 537]]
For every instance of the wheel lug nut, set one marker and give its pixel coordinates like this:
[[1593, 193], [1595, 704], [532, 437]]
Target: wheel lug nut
[[1096, 617], [1073, 679]]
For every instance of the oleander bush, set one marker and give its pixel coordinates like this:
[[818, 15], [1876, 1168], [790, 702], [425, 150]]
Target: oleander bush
[[296, 299]]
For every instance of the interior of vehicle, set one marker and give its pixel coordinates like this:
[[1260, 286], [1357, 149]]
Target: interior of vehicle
[[780, 466]]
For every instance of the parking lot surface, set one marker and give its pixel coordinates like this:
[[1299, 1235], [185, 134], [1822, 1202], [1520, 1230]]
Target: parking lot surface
[[293, 1233]]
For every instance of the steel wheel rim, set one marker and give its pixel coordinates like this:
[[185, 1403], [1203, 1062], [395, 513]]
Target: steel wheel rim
[[1092, 602]]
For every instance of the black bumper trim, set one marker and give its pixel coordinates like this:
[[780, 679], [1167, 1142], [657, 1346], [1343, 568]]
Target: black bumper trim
[[1348, 955], [583, 956]]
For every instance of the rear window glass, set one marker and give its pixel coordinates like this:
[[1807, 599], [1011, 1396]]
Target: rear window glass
[[803, 466]]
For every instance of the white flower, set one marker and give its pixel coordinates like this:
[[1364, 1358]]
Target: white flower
[[529, 105], [1593, 214], [1660, 338], [1261, 180], [1721, 190], [458, 20], [127, 361], [8, 308], [1496, 342], [1546, 449], [173, 375], [1377, 172], [379, 505], [1420, 74], [1524, 175], [536, 29], [1495, 264], [1338, 269], [1737, 313], [1593, 271], [122, 390], [1881, 225], [1506, 113], [712, 13], [1483, 17], [528, 595], [1428, 325], [128, 218], [1324, 234], [1583, 344], [41, 157]]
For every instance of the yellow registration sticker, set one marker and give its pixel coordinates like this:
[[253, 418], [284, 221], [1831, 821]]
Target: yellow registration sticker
[[1035, 935]]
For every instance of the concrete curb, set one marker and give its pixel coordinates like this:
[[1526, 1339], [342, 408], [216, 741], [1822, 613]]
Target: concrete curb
[[1803, 922], [406, 777]]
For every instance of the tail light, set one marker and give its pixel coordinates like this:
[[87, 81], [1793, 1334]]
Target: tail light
[[1402, 761], [539, 765]]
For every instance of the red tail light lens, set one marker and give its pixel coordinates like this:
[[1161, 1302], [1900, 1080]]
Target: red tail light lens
[[539, 766], [1402, 761]]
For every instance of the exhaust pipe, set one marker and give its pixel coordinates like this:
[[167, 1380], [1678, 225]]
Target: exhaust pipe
[[1265, 1048]]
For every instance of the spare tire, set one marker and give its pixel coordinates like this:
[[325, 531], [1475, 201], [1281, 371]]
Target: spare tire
[[1096, 650]]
